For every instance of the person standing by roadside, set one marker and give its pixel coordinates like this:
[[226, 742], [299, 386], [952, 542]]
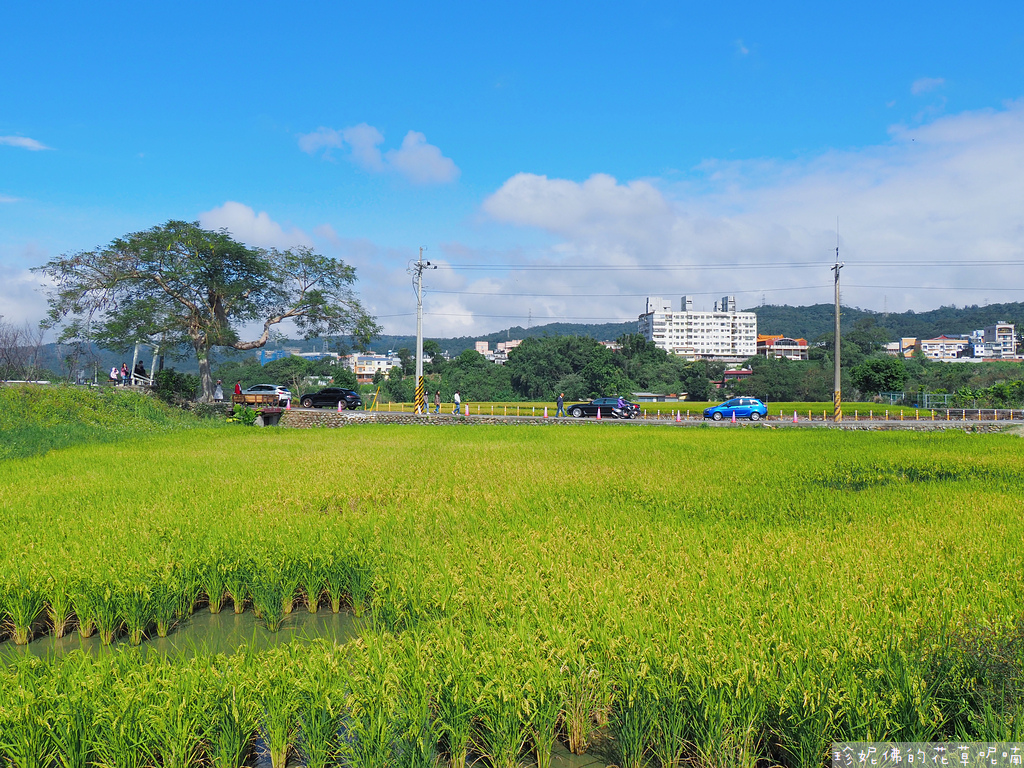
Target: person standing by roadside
[[561, 405], [238, 387], [124, 374], [458, 404], [437, 401], [218, 391], [115, 373]]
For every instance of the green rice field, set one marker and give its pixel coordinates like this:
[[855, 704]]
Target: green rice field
[[660, 598]]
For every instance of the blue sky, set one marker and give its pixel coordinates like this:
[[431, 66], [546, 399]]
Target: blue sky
[[691, 148]]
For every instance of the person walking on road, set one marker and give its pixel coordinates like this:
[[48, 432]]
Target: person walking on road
[[437, 401], [561, 405], [458, 404]]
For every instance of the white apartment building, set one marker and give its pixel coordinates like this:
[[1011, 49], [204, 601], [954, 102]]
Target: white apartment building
[[1000, 340], [722, 333], [943, 348]]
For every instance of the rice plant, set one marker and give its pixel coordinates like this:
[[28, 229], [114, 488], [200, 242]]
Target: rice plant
[[319, 724], [72, 713], [633, 716], [503, 728], [360, 580], [417, 741], [106, 611], [290, 575], [544, 704], [83, 600], [312, 580], [136, 609], [336, 584], [581, 688], [59, 605], [269, 595], [164, 601], [24, 604], [236, 583], [456, 701], [670, 709], [122, 734], [188, 586], [368, 730], [24, 728], [278, 721], [212, 580], [233, 719], [178, 718]]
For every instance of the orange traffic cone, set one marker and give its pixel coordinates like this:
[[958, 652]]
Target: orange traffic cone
[[678, 417], [288, 404], [734, 417], [794, 417], [545, 411], [339, 406], [598, 414]]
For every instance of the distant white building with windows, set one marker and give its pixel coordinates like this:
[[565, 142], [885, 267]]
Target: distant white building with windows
[[721, 334], [1000, 340]]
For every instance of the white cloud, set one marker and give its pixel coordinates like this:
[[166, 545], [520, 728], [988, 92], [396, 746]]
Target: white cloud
[[256, 229], [741, 49], [416, 160], [23, 142], [326, 232], [321, 138], [21, 291], [6, 199], [926, 85], [945, 191], [420, 162]]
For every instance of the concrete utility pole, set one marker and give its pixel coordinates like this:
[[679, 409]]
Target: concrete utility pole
[[416, 270], [837, 395]]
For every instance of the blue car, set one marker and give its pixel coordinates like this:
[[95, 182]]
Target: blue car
[[740, 407]]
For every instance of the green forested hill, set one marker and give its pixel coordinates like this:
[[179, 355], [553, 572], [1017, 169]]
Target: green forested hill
[[817, 320]]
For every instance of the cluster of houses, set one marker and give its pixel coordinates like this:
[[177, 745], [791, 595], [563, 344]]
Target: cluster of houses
[[995, 342]]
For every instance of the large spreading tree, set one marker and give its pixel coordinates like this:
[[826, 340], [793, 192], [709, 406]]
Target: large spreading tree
[[184, 285]]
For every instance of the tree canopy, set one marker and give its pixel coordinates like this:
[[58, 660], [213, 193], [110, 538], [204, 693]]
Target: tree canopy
[[180, 284]]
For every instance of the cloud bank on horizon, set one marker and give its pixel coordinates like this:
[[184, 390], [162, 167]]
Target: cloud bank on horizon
[[944, 194]]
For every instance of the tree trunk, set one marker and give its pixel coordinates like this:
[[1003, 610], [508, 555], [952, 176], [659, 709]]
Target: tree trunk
[[205, 375]]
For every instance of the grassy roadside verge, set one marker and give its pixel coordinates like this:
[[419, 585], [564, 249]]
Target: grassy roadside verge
[[36, 419]]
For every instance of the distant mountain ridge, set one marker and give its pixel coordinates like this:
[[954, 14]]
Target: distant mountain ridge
[[818, 319], [810, 322]]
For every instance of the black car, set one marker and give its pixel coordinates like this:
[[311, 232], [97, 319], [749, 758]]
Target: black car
[[330, 397], [609, 408]]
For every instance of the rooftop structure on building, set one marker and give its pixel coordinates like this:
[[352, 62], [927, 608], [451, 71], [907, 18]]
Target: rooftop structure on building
[[721, 334]]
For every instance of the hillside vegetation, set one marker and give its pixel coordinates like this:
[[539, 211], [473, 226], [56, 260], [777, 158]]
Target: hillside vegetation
[[35, 419]]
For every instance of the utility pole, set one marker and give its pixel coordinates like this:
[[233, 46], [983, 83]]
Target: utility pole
[[837, 395], [416, 270]]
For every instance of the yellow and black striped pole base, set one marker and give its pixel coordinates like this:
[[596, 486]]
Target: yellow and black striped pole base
[[837, 401], [421, 397]]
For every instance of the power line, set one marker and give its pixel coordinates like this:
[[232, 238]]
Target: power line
[[620, 295], [720, 266]]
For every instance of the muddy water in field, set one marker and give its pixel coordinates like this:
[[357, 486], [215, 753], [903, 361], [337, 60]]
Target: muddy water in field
[[204, 632]]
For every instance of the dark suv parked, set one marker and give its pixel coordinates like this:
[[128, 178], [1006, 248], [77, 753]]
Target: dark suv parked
[[330, 397]]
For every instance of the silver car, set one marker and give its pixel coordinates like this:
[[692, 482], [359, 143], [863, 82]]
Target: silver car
[[283, 395]]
